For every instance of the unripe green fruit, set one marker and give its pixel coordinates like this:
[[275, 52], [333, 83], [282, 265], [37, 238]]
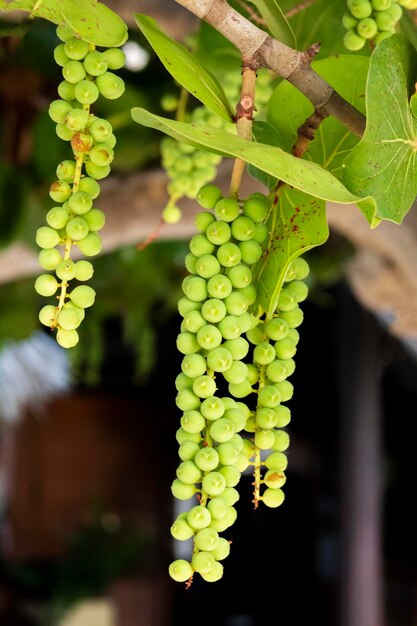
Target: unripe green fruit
[[70, 318], [171, 214], [49, 258], [360, 8], [101, 154], [90, 245], [66, 270], [97, 171], [47, 315], [58, 110], [349, 22], [67, 338], [76, 48], [100, 129], [80, 202], [47, 237], [227, 209], [95, 63], [86, 92], [273, 497], [115, 58], [66, 90], [64, 32], [95, 219], [202, 220], [110, 85], [73, 71], [60, 56], [83, 296], [180, 570], [256, 206], [64, 132], [76, 119], [90, 186], [59, 191], [381, 5], [83, 270], [384, 21], [396, 11], [46, 285], [65, 171], [352, 41], [208, 195], [367, 28], [383, 35], [77, 228]]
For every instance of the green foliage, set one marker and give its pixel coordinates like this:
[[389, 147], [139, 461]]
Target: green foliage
[[92, 21], [297, 223], [304, 175], [276, 21], [185, 68], [288, 108], [383, 164]]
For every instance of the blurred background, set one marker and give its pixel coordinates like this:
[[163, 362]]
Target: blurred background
[[87, 436]]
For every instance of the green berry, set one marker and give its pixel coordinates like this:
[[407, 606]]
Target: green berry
[[46, 285], [208, 195], [83, 296], [67, 338], [90, 245], [73, 72], [352, 41], [58, 110], [76, 48], [47, 315], [115, 58], [367, 28], [86, 92], [47, 237], [83, 270], [110, 85], [360, 8], [95, 63]]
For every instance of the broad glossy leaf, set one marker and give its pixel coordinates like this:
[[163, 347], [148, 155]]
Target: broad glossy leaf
[[383, 164], [276, 21], [297, 224], [94, 22], [91, 20], [304, 175], [185, 68], [288, 109]]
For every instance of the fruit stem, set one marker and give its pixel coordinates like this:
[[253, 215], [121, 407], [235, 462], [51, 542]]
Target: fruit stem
[[244, 119]]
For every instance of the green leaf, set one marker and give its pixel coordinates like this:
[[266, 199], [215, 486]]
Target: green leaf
[[185, 68], [91, 20], [297, 224], [304, 175], [276, 21], [383, 164], [94, 22], [264, 132], [288, 109]]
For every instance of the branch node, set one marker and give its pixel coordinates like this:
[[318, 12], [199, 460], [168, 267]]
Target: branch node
[[312, 51]]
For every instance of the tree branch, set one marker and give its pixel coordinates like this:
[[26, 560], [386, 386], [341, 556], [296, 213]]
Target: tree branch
[[294, 66]]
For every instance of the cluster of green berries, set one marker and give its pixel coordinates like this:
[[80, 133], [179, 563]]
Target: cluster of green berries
[[87, 74], [189, 168], [233, 379], [372, 21]]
